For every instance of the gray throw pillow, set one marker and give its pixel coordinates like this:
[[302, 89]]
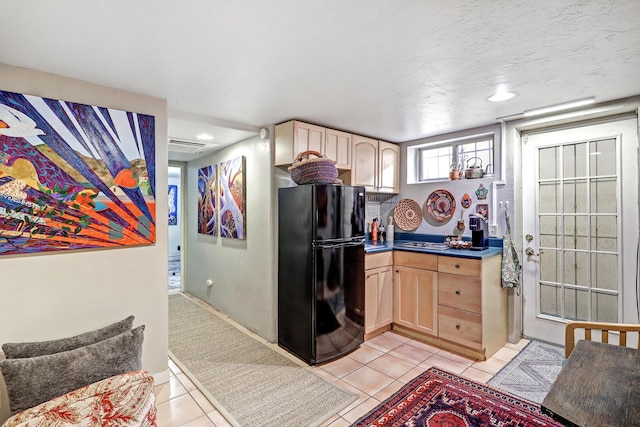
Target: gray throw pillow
[[34, 380], [33, 349]]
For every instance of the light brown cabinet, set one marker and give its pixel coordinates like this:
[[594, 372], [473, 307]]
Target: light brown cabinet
[[454, 303], [388, 167], [338, 147], [415, 285], [294, 137], [375, 165], [472, 305], [378, 306]]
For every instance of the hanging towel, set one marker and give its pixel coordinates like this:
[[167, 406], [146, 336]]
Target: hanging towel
[[510, 263]]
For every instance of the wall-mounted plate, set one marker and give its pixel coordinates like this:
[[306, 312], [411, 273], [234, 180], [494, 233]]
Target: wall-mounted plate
[[440, 205]]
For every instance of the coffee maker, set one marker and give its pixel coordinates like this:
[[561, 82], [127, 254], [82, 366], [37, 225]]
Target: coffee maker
[[479, 232]]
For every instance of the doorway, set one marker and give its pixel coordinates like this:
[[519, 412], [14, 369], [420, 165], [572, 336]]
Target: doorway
[[581, 234], [176, 226]]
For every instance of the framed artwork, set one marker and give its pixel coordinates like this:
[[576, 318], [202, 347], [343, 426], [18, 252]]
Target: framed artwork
[[232, 198], [483, 209], [173, 205], [74, 176], [208, 200]]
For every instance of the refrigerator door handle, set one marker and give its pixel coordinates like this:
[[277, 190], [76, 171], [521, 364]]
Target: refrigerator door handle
[[339, 245]]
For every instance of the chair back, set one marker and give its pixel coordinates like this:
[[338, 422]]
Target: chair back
[[603, 329]]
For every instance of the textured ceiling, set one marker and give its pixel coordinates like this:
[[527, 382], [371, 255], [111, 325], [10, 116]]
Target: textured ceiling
[[395, 70]]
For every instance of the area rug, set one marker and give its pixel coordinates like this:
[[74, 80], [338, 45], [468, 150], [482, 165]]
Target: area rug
[[250, 383], [531, 373], [438, 398]]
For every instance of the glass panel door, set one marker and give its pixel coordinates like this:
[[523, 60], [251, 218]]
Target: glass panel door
[[584, 182]]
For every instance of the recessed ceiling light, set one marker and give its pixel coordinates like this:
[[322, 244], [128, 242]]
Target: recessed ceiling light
[[205, 137], [559, 107], [501, 95]]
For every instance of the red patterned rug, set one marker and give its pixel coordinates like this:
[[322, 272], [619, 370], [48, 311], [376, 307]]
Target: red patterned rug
[[438, 398]]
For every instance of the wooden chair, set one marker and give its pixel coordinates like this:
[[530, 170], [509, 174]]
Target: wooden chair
[[604, 328]]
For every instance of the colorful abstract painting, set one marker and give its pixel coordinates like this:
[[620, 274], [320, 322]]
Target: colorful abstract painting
[[173, 205], [232, 198], [208, 200], [483, 209], [74, 176]]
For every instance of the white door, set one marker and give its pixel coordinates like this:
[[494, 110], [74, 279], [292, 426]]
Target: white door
[[580, 227]]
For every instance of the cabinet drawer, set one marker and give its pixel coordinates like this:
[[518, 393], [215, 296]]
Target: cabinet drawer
[[460, 327], [416, 260], [462, 292], [381, 259], [467, 267]]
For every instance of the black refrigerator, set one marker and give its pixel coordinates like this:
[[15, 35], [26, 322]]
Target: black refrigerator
[[321, 270]]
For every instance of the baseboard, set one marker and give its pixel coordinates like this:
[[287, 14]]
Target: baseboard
[[161, 377]]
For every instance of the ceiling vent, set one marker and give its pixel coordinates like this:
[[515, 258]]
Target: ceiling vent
[[182, 146]]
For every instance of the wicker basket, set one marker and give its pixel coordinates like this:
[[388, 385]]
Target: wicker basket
[[319, 170]]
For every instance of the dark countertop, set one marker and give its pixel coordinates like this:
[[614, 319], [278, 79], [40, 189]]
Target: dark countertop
[[371, 247]]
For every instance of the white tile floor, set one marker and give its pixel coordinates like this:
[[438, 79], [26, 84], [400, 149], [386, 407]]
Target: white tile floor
[[379, 368]]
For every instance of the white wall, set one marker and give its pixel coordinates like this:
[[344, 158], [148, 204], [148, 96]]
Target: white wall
[[242, 270], [48, 296], [500, 188]]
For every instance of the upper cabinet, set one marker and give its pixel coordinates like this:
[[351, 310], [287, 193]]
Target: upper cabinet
[[295, 137], [376, 165], [338, 147]]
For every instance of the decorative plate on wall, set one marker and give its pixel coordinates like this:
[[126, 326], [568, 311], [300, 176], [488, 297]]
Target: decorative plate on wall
[[466, 201], [440, 205], [407, 214]]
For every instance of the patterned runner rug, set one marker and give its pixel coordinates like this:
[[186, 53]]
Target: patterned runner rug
[[531, 373], [438, 398], [250, 382]]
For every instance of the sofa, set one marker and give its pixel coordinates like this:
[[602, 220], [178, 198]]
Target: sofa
[[92, 379]]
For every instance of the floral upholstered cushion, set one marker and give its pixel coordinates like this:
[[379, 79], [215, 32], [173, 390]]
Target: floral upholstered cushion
[[119, 401]]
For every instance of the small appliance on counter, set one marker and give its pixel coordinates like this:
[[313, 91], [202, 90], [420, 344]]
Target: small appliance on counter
[[479, 232]]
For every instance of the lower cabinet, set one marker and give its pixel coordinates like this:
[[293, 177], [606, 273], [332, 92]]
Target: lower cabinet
[[378, 305], [416, 296], [453, 303]]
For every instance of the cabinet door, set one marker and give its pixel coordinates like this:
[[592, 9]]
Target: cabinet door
[[308, 137], [388, 167], [338, 148], [378, 298], [370, 301], [385, 296], [415, 299], [364, 168]]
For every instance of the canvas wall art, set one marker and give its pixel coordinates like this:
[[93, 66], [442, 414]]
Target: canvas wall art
[[74, 176], [232, 198], [208, 200], [483, 209], [173, 205]]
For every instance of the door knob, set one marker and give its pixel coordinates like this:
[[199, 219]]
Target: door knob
[[530, 251]]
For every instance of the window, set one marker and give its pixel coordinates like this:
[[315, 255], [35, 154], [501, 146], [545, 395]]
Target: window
[[434, 160]]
